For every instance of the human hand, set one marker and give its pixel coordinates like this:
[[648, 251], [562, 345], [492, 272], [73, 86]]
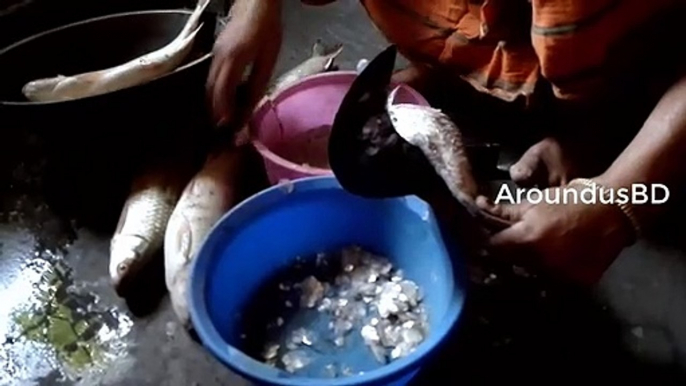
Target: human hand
[[574, 240], [544, 163], [251, 39]]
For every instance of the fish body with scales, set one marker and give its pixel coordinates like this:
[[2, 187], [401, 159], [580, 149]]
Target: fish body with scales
[[212, 192], [321, 60], [439, 139], [132, 73], [207, 197], [140, 232]]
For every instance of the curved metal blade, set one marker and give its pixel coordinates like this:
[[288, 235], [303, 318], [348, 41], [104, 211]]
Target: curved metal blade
[[366, 155]]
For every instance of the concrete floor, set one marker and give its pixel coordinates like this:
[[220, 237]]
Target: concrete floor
[[57, 307]]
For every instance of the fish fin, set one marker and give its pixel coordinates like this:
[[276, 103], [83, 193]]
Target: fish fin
[[318, 49], [184, 239], [177, 241], [178, 295], [188, 40], [122, 220], [332, 56], [336, 50]]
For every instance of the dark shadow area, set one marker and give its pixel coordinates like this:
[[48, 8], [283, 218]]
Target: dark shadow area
[[516, 331], [143, 297]]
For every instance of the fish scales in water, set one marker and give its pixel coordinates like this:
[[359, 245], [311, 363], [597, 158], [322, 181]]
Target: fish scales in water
[[441, 142], [129, 74], [140, 231], [209, 194]]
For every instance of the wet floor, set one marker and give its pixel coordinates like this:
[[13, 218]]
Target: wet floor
[[62, 324]]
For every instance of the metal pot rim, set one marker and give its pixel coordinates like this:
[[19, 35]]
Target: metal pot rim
[[93, 20]]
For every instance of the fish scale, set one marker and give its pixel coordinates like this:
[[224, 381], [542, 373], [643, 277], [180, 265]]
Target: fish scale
[[441, 142], [149, 209], [140, 232]]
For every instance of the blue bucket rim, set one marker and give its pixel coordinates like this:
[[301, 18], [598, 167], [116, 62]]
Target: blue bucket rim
[[254, 370]]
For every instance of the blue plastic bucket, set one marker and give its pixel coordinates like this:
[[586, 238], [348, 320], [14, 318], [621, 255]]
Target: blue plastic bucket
[[268, 231]]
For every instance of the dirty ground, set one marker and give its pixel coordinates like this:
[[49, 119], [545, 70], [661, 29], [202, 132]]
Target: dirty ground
[[62, 324]]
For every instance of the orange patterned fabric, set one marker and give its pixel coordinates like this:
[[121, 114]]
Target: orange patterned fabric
[[506, 47]]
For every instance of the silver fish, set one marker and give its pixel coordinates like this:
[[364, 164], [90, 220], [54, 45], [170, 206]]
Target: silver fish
[[140, 231], [129, 74], [210, 194], [441, 142], [322, 60]]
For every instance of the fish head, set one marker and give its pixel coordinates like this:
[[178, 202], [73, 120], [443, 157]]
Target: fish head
[[42, 89], [125, 253]]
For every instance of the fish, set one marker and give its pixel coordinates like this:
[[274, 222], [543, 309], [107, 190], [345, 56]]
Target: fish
[[132, 73], [321, 60], [212, 192], [207, 197], [437, 136], [139, 235]]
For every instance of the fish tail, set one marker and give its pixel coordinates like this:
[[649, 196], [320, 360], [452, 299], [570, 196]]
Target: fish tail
[[192, 23], [319, 49], [188, 40], [336, 50], [179, 48]]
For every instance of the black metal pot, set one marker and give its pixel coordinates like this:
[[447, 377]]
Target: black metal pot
[[105, 137], [133, 119], [100, 43]]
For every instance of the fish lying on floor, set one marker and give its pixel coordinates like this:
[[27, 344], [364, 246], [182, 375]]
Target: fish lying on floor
[[210, 194], [322, 59], [140, 232], [129, 74]]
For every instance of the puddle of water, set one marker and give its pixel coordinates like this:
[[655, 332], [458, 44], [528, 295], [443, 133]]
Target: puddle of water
[[51, 328], [54, 326]]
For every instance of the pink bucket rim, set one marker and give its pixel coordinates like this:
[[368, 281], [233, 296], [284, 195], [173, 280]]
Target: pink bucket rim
[[275, 98]]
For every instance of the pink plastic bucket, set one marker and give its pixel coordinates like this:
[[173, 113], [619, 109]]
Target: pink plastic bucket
[[291, 131]]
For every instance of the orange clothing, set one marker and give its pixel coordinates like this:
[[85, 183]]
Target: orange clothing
[[507, 47]]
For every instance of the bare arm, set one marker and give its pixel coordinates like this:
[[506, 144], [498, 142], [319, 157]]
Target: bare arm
[[251, 39], [658, 152]]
